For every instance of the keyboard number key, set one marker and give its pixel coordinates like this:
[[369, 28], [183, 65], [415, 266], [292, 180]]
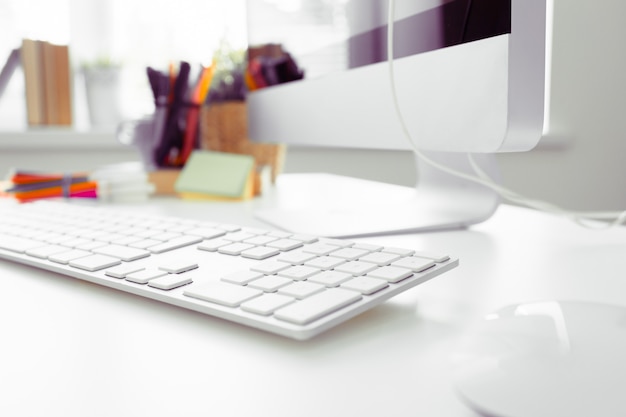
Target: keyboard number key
[[414, 264], [260, 252], [391, 273], [365, 285], [301, 289]]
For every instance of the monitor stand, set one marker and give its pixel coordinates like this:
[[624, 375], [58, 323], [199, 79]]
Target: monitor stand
[[337, 206]]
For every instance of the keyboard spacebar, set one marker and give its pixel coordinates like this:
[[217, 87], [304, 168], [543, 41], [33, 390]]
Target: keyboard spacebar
[[317, 306]]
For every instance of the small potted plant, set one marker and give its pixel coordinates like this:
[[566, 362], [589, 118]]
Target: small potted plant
[[102, 87]]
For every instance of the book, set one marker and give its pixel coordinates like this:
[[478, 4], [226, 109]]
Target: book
[[13, 61], [32, 63], [63, 84], [47, 76], [50, 96]]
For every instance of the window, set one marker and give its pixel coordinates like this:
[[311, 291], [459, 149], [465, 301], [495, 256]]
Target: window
[[134, 33]]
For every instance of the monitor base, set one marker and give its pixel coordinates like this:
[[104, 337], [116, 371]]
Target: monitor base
[[338, 206]]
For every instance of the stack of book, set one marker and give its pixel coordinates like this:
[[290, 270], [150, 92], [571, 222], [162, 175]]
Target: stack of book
[[47, 75]]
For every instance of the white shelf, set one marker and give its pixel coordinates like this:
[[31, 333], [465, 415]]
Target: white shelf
[[54, 138]]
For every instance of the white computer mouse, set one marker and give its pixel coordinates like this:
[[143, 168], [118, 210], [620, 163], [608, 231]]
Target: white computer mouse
[[547, 359]]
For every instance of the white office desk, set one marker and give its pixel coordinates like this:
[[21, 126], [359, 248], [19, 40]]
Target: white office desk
[[70, 348]]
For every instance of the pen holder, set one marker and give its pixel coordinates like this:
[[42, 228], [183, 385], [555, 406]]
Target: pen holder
[[224, 128]]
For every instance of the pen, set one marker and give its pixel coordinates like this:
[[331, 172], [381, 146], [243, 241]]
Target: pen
[[171, 133], [87, 188], [198, 97]]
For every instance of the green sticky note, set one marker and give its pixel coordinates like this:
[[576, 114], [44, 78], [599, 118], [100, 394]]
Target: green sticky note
[[216, 174]]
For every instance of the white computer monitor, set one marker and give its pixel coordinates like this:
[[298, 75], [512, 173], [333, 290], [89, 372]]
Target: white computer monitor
[[470, 77]]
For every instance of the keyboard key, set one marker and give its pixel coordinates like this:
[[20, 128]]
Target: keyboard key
[[205, 232], [399, 251], [267, 303], [147, 233], [221, 293], [229, 227], [122, 270], [144, 276], [94, 262], [59, 239], [181, 228], [238, 236], [255, 231], [214, 244], [320, 249], [165, 236], [109, 237], [126, 240], [90, 245], [368, 247], [433, 256], [145, 243], [305, 238], [124, 253], [66, 257], [414, 264], [317, 306], [170, 281], [391, 273], [365, 285], [270, 267], [176, 243], [270, 283], [299, 272], [356, 268], [260, 252], [234, 248], [242, 277], [330, 278], [18, 244], [44, 251], [280, 234], [380, 258], [325, 262], [177, 266], [350, 254], [296, 258], [285, 244], [302, 289], [260, 240], [342, 243]]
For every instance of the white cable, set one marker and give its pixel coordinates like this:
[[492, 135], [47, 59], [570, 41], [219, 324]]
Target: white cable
[[612, 218]]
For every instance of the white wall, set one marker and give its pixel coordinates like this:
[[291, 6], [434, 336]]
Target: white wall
[[588, 108]]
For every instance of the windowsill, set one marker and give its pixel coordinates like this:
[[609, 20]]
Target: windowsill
[[58, 138]]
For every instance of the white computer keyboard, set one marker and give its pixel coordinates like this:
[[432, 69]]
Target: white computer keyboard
[[293, 285]]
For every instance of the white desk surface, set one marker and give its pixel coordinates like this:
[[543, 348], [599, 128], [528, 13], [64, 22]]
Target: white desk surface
[[71, 348]]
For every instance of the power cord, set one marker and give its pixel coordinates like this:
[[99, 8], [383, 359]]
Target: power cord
[[585, 219]]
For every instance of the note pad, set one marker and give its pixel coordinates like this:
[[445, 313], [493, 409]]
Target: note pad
[[216, 175]]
